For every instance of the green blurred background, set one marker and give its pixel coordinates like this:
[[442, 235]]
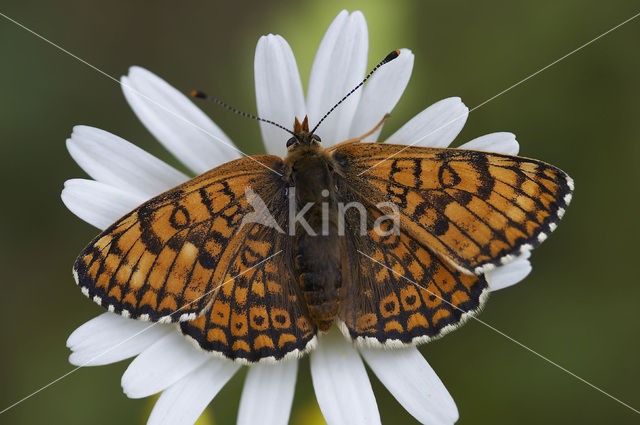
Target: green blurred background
[[579, 306]]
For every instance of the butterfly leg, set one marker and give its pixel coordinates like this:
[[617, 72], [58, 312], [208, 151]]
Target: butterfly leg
[[357, 139]]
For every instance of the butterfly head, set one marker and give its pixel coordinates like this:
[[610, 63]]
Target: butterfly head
[[303, 137]]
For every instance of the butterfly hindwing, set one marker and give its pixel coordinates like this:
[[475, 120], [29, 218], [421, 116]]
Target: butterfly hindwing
[[477, 210], [163, 260], [397, 291], [257, 313]]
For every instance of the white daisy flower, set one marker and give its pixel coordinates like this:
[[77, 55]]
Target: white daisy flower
[[124, 176]]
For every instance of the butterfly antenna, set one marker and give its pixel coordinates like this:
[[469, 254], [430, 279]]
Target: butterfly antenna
[[200, 95], [391, 56]]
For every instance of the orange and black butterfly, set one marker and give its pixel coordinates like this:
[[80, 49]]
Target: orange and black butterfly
[[253, 292]]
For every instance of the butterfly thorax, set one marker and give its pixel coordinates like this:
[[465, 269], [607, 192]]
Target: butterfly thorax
[[316, 244]]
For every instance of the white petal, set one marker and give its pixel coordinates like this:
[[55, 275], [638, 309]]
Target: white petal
[[184, 401], [110, 338], [510, 273], [268, 393], [411, 380], [339, 65], [97, 203], [341, 383], [502, 142], [112, 160], [278, 91], [436, 126], [161, 365], [176, 122], [381, 94]]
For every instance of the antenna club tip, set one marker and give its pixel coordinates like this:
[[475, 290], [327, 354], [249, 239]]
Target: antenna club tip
[[391, 56], [198, 94]]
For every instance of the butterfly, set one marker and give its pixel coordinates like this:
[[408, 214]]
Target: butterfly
[[255, 290]]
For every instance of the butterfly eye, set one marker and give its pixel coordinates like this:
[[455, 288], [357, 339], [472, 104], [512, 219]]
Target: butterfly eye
[[291, 141], [316, 137]]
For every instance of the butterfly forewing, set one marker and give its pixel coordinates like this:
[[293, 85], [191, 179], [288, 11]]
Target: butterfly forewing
[[475, 209], [164, 260]]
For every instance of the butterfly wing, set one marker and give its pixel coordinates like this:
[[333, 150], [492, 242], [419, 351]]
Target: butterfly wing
[[164, 260], [475, 209], [257, 313], [397, 291]]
